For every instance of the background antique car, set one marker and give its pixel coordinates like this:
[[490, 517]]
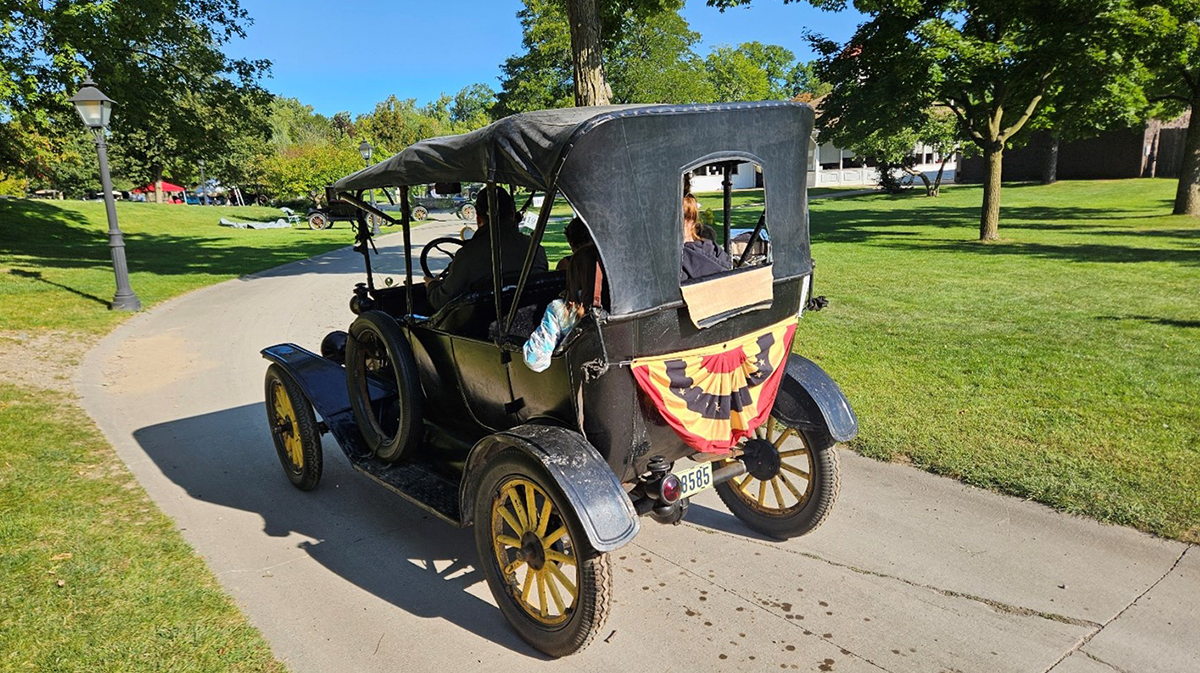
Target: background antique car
[[668, 389]]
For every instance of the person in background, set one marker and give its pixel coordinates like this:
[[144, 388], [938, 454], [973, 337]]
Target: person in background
[[701, 256], [584, 280], [472, 265], [577, 237]]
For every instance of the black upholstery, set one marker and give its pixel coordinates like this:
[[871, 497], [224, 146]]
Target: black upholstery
[[474, 313]]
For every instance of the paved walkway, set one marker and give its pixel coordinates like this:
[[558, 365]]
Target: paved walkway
[[911, 573]]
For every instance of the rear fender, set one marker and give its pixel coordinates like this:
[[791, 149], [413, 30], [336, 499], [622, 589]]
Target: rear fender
[[809, 399], [588, 483]]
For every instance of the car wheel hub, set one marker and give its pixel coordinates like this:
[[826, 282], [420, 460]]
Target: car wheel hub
[[761, 458]]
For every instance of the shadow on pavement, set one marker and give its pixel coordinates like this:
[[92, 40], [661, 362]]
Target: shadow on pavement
[[366, 535]]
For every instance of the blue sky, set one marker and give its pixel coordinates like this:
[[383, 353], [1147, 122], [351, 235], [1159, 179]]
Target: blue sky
[[350, 55]]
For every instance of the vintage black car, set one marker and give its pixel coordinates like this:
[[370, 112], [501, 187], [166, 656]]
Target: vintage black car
[[664, 390]]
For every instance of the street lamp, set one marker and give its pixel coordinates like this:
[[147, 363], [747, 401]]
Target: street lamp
[[365, 149], [203, 183], [95, 109]]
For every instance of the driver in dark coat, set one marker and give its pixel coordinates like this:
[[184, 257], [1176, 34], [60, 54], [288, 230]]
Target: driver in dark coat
[[471, 268]]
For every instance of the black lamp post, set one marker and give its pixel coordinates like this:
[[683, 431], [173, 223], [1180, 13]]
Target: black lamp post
[[203, 183], [95, 109], [365, 150]]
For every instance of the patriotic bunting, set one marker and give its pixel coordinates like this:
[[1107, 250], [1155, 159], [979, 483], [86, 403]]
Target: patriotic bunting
[[716, 395]]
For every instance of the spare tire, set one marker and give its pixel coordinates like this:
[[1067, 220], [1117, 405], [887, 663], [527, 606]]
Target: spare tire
[[377, 351]]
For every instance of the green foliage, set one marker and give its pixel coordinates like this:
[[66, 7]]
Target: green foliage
[[751, 71], [540, 77], [804, 81], [649, 57], [13, 186], [305, 170], [472, 106], [180, 98], [654, 62]]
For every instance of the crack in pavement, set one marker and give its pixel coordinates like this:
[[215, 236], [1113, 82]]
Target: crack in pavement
[[996, 605], [1100, 627], [757, 605], [1098, 660]]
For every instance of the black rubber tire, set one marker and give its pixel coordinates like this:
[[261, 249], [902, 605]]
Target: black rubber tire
[[826, 483], [304, 425], [419, 213], [392, 432], [594, 589], [318, 221]]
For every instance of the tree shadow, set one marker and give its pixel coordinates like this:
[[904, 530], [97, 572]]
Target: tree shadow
[[364, 534], [37, 276], [43, 235], [1169, 322], [909, 228]]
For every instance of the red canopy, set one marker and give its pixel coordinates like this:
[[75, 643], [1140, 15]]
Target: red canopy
[[167, 187]]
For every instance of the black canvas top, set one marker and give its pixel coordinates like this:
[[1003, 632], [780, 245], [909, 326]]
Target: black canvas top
[[621, 168]]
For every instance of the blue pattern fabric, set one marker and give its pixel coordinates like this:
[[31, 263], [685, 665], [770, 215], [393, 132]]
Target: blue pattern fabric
[[557, 322]]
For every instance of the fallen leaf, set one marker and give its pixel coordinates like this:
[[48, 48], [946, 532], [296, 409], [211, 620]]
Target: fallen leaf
[[61, 557], [62, 583]]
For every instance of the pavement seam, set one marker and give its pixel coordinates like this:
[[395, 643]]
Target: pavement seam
[[1098, 660], [1100, 627], [996, 605], [757, 605]]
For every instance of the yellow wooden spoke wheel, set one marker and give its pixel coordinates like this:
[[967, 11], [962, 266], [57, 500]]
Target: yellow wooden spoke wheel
[[791, 483], [534, 551], [293, 428], [547, 580]]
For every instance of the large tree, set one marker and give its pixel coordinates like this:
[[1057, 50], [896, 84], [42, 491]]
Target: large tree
[[990, 62], [181, 99], [1172, 30], [649, 57], [752, 71]]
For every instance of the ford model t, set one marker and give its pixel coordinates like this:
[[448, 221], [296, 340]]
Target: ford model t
[[663, 388]]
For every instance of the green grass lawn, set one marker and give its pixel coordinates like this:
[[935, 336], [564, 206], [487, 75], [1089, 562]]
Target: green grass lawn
[[1060, 364], [55, 268], [133, 595]]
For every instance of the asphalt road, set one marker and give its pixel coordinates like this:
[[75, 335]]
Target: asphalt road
[[912, 572]]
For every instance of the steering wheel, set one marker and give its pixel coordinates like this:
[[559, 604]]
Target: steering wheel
[[436, 244]]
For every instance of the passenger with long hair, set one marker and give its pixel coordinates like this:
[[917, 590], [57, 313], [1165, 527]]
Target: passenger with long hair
[[700, 256], [585, 281]]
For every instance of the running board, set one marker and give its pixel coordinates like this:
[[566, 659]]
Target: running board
[[417, 482]]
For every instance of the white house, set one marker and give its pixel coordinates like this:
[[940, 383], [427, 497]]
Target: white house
[[829, 166]]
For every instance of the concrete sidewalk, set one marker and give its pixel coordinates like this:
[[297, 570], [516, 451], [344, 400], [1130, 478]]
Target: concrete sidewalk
[[912, 572]]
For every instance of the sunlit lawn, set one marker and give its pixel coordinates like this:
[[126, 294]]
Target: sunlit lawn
[[92, 575], [1061, 363]]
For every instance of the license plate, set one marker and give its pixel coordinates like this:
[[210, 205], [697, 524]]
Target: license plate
[[695, 479]]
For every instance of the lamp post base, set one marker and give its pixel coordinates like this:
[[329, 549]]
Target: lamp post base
[[125, 302]]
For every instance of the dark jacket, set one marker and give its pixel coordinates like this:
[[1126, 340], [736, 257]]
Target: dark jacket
[[471, 269], [702, 258]]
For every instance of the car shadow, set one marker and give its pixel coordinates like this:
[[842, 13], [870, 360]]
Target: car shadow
[[363, 533], [723, 521]]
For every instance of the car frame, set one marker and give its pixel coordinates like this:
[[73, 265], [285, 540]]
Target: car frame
[[556, 469]]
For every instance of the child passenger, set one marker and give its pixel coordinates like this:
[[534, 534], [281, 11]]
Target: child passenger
[[584, 280], [701, 256]]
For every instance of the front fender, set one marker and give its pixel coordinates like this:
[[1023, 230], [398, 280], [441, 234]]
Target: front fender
[[809, 398], [588, 483]]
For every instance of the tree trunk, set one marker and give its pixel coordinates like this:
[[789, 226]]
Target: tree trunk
[[1187, 195], [158, 186], [586, 52], [1050, 159], [989, 218]]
